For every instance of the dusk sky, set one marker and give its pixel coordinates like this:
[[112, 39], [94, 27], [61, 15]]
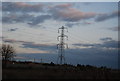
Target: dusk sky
[[32, 29]]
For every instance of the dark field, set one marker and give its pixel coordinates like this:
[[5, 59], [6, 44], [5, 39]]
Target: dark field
[[29, 70]]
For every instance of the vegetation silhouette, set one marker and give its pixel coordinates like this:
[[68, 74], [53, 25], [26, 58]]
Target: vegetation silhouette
[[7, 52], [34, 70]]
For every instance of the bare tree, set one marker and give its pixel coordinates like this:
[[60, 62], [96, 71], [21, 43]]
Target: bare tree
[[8, 52]]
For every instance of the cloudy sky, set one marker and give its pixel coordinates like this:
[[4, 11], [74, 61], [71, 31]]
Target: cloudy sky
[[32, 29]]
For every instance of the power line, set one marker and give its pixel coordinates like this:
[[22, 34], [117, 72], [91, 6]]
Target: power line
[[51, 30]]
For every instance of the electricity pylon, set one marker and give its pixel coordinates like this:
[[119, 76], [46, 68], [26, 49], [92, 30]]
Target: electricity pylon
[[61, 46]]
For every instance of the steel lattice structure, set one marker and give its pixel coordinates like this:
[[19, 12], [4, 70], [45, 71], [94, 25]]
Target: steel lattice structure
[[62, 45]]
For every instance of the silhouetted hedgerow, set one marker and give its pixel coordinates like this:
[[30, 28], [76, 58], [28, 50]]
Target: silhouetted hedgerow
[[31, 70]]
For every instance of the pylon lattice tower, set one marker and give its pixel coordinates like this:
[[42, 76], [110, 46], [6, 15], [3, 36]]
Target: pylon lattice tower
[[62, 45]]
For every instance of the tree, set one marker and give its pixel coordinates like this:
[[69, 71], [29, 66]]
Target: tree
[[8, 52]]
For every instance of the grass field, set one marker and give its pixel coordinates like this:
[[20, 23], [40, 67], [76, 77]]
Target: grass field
[[52, 71]]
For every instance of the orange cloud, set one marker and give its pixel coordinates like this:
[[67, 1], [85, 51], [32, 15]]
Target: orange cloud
[[23, 4], [67, 13], [64, 5]]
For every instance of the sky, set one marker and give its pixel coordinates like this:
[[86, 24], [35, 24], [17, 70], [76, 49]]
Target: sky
[[32, 29]]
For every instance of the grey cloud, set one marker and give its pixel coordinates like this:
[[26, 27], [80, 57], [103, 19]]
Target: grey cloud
[[9, 40], [103, 17], [115, 28], [110, 44], [13, 29], [71, 24], [93, 56], [19, 12], [21, 7], [106, 39], [27, 44], [25, 18], [14, 41], [96, 55], [86, 45], [13, 17], [39, 46], [1, 37], [6, 20], [39, 19], [107, 43]]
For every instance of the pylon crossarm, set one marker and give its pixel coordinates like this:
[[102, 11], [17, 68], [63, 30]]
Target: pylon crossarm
[[66, 45], [58, 38], [66, 36]]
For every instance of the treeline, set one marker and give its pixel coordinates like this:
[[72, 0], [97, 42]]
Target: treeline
[[81, 67]]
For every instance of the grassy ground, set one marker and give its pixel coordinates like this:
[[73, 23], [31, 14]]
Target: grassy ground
[[51, 71]]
